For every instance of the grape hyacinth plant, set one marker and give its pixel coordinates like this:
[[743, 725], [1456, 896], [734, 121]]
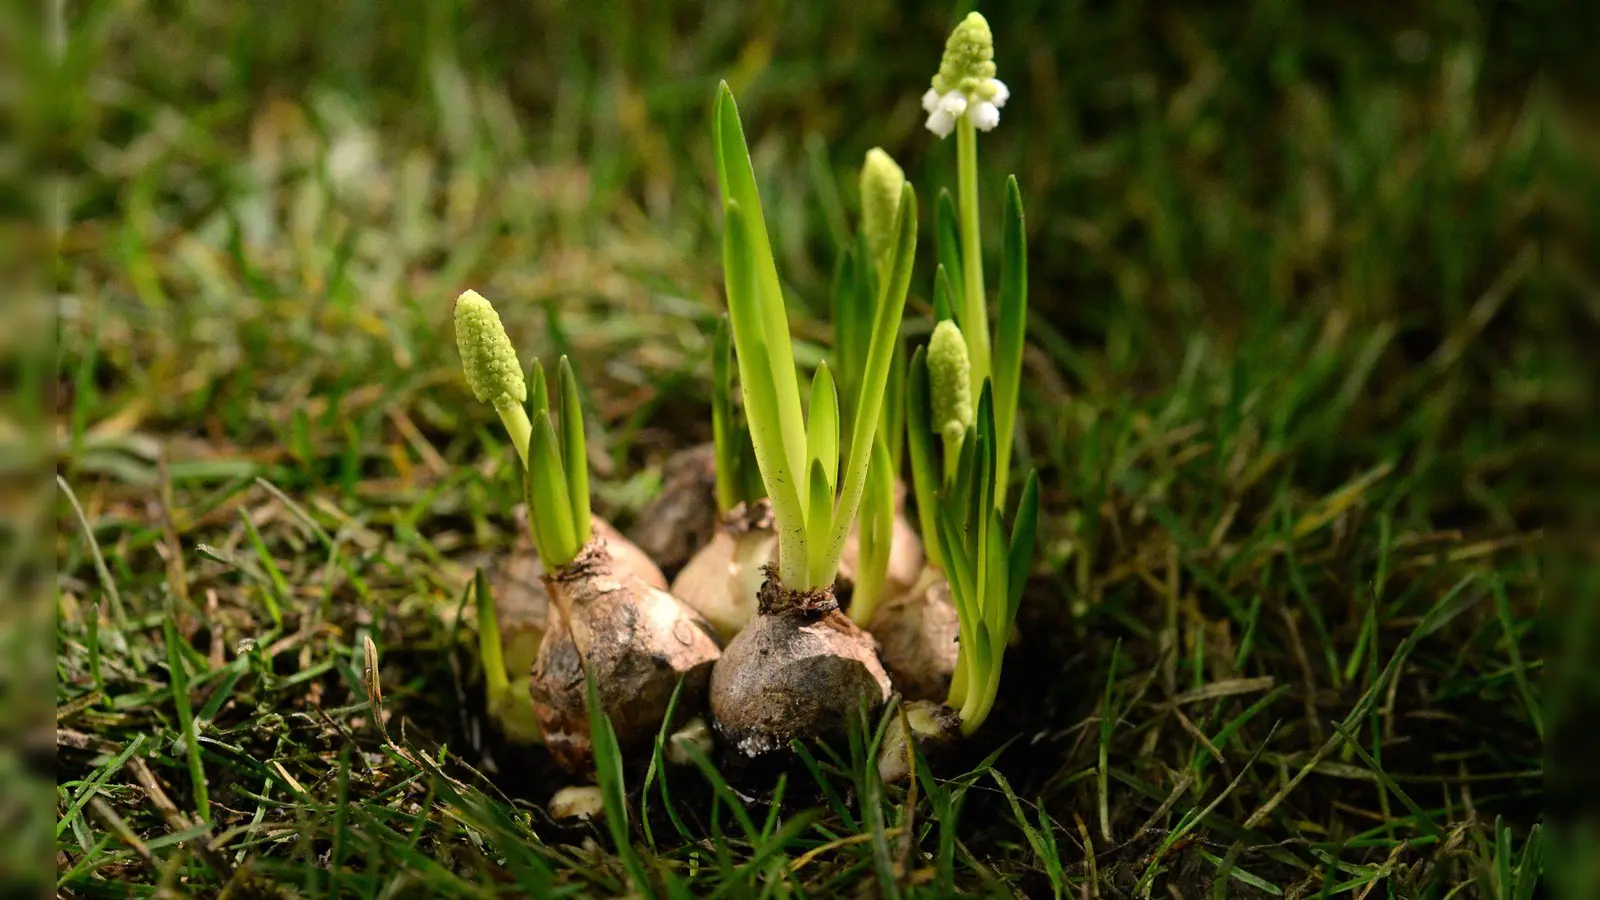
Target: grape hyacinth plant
[[801, 668], [883, 555], [916, 631], [636, 639]]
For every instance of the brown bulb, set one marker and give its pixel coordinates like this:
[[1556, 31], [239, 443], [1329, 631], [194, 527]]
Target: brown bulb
[[917, 634], [799, 670], [636, 639]]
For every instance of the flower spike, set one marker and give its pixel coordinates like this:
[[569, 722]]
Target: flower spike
[[965, 84]]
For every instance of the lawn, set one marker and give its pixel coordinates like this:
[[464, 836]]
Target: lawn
[[1287, 358]]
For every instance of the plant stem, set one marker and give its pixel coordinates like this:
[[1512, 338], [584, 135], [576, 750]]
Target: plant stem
[[515, 418], [974, 313]]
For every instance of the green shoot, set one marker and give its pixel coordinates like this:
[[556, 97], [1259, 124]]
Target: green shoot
[[556, 473], [876, 534], [855, 308], [986, 567], [925, 478], [495, 680], [738, 480], [812, 520], [965, 97]]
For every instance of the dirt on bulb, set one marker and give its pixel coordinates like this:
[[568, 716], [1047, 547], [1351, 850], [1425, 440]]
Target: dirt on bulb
[[800, 669], [636, 639]]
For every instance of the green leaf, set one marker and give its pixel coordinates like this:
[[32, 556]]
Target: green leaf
[[490, 653], [892, 427], [613, 788], [760, 401], [875, 528], [722, 437], [574, 460], [869, 404], [942, 292], [819, 515], [948, 236], [737, 180], [845, 325], [538, 393], [1009, 334], [1019, 555], [549, 505], [924, 466], [822, 427]]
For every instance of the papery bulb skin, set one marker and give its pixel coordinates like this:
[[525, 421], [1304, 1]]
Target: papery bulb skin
[[934, 728], [917, 635], [636, 639], [800, 670], [522, 610], [721, 582]]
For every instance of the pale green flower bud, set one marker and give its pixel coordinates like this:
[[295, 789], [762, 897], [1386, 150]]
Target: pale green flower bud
[[968, 57], [949, 382], [882, 180], [487, 357]]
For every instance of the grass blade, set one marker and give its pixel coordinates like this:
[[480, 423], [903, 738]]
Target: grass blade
[[186, 723]]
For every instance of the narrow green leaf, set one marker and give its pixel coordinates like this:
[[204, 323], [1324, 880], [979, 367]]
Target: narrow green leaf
[[1019, 555], [869, 405], [760, 400], [490, 654], [722, 438], [875, 530], [819, 515], [549, 505], [892, 427], [1010, 334], [186, 724], [822, 427], [613, 788], [738, 183], [573, 459], [538, 392], [924, 466], [948, 237], [942, 292], [1424, 821], [844, 321]]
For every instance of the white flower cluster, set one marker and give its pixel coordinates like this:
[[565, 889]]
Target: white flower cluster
[[983, 105]]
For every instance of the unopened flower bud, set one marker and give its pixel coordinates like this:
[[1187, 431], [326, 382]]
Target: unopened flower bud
[[949, 381], [487, 357], [882, 180]]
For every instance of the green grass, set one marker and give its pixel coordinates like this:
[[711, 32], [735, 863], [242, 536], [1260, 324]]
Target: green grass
[[1289, 343]]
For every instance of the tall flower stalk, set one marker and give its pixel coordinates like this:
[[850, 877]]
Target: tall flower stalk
[[965, 97]]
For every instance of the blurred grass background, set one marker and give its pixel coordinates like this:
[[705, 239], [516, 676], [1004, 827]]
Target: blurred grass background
[[1295, 325]]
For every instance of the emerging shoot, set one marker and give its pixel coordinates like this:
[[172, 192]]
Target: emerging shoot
[[801, 668], [636, 639], [882, 556]]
